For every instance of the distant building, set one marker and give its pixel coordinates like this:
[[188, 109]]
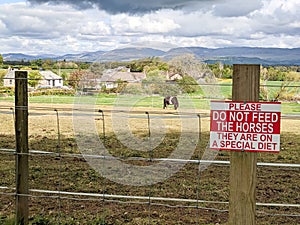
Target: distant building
[[175, 76], [110, 77], [49, 79]]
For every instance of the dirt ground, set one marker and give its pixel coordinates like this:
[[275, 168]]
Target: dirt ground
[[108, 201]]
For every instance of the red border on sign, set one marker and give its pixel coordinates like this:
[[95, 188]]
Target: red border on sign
[[245, 119]]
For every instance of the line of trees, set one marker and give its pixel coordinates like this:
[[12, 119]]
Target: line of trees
[[191, 70]]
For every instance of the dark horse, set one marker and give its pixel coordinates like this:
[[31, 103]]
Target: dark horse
[[171, 100]]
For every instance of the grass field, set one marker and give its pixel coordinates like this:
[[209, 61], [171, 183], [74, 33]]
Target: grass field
[[73, 173], [156, 102]]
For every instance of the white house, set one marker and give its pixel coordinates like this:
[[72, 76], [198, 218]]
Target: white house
[[49, 79]]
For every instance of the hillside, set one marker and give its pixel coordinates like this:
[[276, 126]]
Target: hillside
[[229, 55]]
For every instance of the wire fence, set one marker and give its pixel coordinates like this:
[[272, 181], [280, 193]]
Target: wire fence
[[149, 200], [60, 177]]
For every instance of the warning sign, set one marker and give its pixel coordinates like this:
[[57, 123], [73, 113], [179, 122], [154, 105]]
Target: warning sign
[[245, 126]]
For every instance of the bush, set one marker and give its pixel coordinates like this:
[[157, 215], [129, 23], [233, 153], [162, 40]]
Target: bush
[[7, 91], [4, 66], [275, 75], [51, 92], [188, 84], [134, 89]]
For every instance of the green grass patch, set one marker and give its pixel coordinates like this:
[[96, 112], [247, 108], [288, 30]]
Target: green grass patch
[[155, 102], [199, 100]]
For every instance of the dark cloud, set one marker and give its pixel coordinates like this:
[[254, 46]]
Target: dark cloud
[[123, 6], [228, 8]]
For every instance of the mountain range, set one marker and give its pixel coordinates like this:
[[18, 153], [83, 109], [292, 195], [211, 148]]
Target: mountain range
[[229, 55]]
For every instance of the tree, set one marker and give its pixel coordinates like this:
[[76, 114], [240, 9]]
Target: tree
[[227, 72], [155, 83], [64, 65], [274, 74], [189, 65], [97, 69], [64, 75], [47, 64], [2, 74], [34, 77], [216, 69], [188, 84], [36, 63], [1, 59], [83, 65], [282, 91], [75, 78], [148, 64], [120, 85]]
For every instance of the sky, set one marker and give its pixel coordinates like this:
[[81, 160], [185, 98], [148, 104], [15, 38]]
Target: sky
[[74, 26]]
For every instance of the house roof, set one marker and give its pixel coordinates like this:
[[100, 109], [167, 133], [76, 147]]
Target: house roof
[[10, 74], [47, 74]]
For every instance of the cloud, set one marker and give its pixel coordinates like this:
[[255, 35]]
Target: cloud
[[123, 6], [236, 8], [63, 28], [278, 17], [223, 8]]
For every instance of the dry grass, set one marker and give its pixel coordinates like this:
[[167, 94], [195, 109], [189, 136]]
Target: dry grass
[[274, 185]]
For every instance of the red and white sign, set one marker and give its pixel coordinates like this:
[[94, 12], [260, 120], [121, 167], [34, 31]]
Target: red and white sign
[[245, 126]]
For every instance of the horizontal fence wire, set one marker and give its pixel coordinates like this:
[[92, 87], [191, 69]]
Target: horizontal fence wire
[[192, 161], [72, 111], [58, 194]]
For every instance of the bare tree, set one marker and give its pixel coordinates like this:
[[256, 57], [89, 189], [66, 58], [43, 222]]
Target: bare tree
[[188, 64]]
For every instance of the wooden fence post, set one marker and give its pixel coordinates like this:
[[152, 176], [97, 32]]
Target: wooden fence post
[[21, 129], [242, 200]]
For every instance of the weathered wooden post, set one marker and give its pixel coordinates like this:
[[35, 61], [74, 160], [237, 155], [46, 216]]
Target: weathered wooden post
[[242, 200], [21, 129]]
